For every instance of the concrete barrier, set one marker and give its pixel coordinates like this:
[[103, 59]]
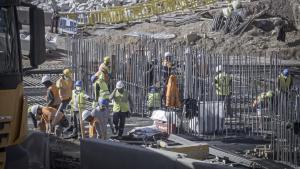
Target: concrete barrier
[[97, 154]]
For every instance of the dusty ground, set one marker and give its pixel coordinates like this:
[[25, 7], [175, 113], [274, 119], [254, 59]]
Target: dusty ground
[[253, 40]]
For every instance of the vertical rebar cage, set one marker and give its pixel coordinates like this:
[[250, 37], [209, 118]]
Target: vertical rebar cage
[[250, 102]]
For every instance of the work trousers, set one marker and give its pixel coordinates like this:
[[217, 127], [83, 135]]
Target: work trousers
[[63, 105], [119, 122], [76, 123], [227, 104]]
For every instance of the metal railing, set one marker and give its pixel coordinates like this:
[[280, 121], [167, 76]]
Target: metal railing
[[140, 66]]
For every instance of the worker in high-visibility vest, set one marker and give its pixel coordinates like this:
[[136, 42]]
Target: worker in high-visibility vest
[[285, 81], [42, 118], [101, 92], [52, 96], [223, 83], [122, 107], [100, 88], [78, 104], [154, 99], [104, 69]]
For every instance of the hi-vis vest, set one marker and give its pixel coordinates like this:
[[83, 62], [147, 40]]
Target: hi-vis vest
[[284, 83], [222, 84], [121, 102], [100, 91], [79, 99], [154, 100], [55, 93], [64, 88]]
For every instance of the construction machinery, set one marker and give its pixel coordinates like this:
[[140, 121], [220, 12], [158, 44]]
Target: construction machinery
[[13, 107]]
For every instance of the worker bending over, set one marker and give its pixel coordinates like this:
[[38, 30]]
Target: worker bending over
[[100, 114], [223, 83], [52, 96], [122, 107], [78, 104], [43, 116], [98, 119]]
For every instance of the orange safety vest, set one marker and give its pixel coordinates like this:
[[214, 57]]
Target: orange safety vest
[[172, 94], [92, 129], [64, 88], [48, 114], [105, 70], [55, 93]]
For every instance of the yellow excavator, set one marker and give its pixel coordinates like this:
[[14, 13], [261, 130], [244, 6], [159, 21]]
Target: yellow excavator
[[13, 107]]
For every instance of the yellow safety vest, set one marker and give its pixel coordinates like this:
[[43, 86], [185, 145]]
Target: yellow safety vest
[[222, 84], [121, 102], [100, 92], [284, 83], [81, 100], [154, 99]]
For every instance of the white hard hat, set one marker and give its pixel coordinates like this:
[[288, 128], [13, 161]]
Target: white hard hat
[[45, 78], [167, 54], [219, 68], [119, 85], [86, 114], [34, 109]]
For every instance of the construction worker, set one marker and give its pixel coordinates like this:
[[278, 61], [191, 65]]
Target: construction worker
[[285, 81], [122, 107], [104, 69], [100, 88], [262, 101], [167, 66], [78, 104], [101, 91], [101, 114], [153, 99], [43, 116], [65, 85], [223, 88], [52, 97]]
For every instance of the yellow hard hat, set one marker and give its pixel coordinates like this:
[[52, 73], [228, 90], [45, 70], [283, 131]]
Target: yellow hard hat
[[106, 59], [67, 72]]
